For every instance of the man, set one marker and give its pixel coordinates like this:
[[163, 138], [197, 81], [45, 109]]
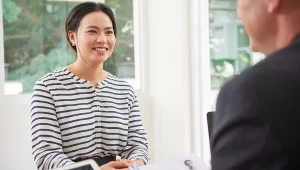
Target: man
[[256, 125]]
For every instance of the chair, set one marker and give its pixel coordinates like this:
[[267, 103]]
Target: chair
[[209, 117]]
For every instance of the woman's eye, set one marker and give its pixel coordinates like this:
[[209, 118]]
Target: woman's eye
[[110, 32], [92, 31]]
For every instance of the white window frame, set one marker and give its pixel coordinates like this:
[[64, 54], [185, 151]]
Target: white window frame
[[139, 45], [138, 83], [200, 75], [1, 56]]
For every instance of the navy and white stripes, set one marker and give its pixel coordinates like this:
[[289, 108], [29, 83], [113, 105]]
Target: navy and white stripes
[[71, 119]]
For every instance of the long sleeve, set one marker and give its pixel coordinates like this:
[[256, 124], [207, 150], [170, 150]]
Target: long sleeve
[[137, 144], [242, 135], [46, 136]]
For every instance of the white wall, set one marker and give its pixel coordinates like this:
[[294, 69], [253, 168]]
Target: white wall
[[169, 80], [15, 140]]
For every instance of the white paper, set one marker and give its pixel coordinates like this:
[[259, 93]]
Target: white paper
[[186, 162]]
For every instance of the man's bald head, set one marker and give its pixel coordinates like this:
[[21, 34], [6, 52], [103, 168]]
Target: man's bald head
[[271, 24]]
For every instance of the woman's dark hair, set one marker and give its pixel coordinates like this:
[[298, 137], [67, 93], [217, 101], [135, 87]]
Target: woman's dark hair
[[78, 12]]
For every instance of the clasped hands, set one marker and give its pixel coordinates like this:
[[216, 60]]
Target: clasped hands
[[120, 164]]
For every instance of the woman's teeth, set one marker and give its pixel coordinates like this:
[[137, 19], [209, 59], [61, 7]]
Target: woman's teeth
[[100, 49]]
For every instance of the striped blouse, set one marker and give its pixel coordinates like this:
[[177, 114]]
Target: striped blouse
[[71, 119]]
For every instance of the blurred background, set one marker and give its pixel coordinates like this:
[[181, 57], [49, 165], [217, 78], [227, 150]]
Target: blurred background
[[177, 54]]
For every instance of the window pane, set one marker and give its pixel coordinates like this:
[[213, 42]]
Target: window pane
[[244, 60], [229, 43], [35, 42], [222, 70], [243, 39]]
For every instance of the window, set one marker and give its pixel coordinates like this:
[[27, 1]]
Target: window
[[35, 42], [229, 43], [219, 50]]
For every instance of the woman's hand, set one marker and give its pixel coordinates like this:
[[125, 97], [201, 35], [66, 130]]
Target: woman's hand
[[136, 162], [119, 164], [139, 162]]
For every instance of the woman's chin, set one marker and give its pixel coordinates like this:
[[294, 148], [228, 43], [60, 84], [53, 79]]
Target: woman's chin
[[99, 59]]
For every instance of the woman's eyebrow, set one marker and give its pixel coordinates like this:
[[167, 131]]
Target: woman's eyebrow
[[95, 27], [92, 26]]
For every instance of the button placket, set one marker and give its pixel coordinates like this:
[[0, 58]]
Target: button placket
[[97, 91], [98, 111]]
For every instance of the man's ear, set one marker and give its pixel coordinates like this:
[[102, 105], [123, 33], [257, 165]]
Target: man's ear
[[272, 5], [72, 37]]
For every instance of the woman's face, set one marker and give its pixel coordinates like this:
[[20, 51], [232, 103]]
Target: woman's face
[[95, 39]]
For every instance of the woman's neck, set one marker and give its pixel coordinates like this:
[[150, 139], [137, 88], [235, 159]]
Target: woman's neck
[[92, 74]]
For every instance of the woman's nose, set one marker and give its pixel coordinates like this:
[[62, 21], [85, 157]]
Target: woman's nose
[[101, 38]]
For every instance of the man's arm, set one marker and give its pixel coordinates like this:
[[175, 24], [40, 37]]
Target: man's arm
[[242, 137]]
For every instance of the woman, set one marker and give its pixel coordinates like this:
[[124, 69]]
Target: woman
[[81, 111]]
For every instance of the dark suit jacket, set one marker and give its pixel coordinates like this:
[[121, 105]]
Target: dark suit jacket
[[256, 125]]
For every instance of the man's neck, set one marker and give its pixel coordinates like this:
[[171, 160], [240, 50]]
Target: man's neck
[[287, 35], [288, 30]]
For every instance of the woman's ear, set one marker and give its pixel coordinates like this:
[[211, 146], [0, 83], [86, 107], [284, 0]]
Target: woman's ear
[[72, 37]]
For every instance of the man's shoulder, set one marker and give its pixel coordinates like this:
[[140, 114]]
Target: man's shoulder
[[250, 80], [275, 66], [268, 72], [245, 78]]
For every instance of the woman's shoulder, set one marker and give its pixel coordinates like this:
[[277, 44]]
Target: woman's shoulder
[[52, 76], [119, 83], [116, 80]]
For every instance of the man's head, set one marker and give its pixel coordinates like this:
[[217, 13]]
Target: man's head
[[271, 24]]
